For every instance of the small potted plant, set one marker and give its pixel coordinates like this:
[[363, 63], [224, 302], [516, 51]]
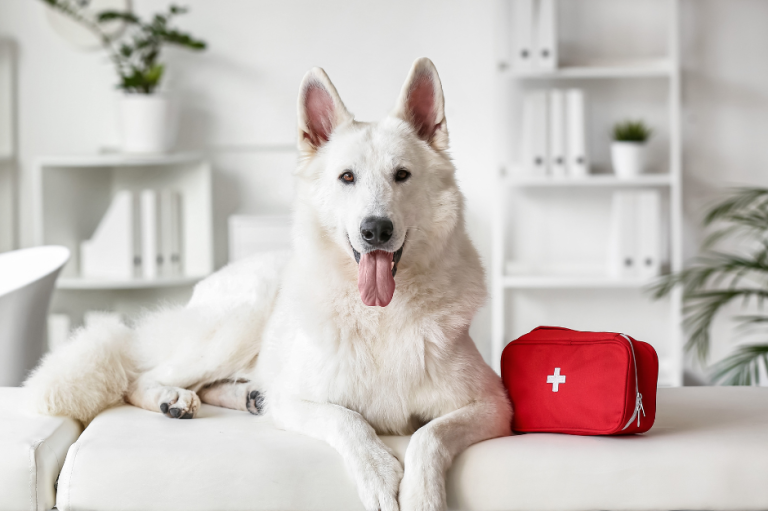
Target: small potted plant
[[628, 148], [146, 117]]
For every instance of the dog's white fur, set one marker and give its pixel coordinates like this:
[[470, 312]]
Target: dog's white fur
[[294, 327]]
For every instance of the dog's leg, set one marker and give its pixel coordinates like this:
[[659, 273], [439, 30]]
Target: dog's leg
[[375, 469], [237, 395], [173, 402], [433, 447]]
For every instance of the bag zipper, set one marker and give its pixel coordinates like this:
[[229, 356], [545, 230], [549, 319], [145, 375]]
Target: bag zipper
[[639, 397]]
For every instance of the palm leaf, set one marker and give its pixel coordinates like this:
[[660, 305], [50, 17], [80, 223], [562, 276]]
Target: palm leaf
[[742, 367]]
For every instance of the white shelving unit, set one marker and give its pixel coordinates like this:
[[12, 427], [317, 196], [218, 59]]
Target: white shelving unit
[[539, 218], [72, 193]]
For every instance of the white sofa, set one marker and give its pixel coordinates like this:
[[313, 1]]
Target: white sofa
[[707, 451]]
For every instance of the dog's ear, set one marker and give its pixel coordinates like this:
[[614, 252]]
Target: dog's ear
[[320, 110], [421, 104]]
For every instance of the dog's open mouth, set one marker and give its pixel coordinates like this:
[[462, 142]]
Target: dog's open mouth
[[376, 272]]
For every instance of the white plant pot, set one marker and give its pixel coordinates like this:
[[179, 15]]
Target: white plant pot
[[146, 123], [628, 159]]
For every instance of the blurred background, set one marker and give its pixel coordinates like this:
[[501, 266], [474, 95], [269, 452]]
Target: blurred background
[[590, 136]]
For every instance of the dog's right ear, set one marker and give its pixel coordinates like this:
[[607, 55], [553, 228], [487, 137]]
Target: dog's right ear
[[320, 110]]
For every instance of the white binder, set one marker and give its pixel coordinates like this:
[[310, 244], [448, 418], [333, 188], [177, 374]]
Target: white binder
[[545, 36], [622, 256], [151, 258], [648, 233], [522, 51], [109, 252], [557, 134], [534, 139], [578, 163], [170, 233]]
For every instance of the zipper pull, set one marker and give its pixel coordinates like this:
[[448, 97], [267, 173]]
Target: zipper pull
[[639, 407]]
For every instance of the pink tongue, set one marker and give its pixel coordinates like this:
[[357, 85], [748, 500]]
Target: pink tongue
[[374, 279]]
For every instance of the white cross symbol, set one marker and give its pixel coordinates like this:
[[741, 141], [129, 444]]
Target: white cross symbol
[[556, 379]]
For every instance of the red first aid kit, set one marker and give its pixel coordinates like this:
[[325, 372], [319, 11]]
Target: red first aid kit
[[581, 383]]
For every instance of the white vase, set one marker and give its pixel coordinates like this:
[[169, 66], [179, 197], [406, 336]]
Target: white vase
[[146, 123], [628, 159]]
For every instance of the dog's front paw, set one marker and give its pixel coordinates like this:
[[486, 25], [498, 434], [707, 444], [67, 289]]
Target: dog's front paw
[[178, 403], [254, 402], [422, 490], [378, 475]]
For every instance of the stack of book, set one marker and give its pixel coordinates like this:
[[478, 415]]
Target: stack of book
[[553, 141], [138, 237]]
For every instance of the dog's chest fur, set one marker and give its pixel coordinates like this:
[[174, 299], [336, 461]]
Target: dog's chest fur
[[392, 366]]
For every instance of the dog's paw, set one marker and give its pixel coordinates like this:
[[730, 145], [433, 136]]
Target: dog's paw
[[378, 476], [254, 402], [422, 492], [178, 403]]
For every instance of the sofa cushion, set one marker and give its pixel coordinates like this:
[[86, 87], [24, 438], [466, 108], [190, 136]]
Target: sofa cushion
[[32, 450], [708, 450]]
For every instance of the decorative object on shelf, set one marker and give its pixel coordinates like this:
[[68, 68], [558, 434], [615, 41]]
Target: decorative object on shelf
[[718, 278], [553, 141], [535, 40], [629, 147], [146, 116]]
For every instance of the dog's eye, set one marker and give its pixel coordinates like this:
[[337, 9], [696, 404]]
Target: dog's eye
[[347, 177], [401, 175]]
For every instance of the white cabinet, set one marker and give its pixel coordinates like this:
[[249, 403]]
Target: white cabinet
[[552, 234]]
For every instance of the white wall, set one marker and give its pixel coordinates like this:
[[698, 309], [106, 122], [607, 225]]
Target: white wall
[[240, 95]]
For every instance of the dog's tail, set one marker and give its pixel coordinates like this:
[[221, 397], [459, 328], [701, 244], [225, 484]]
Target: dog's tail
[[86, 375]]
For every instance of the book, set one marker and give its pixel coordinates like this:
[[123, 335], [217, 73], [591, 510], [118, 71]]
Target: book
[[534, 133], [545, 36], [622, 253], [109, 253], [648, 233], [151, 258], [576, 152], [557, 134], [522, 51]]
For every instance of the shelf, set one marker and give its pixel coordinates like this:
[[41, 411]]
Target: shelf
[[94, 284], [571, 282], [661, 68], [118, 160], [595, 180]]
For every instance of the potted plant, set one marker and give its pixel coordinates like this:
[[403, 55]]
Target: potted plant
[[146, 116], [628, 148], [721, 277]]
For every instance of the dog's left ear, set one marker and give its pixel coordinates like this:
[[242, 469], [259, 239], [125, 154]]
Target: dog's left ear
[[421, 104], [320, 110]]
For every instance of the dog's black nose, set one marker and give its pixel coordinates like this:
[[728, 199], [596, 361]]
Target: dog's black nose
[[376, 230]]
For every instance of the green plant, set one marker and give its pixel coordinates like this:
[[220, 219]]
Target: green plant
[[717, 278], [631, 131], [135, 54]]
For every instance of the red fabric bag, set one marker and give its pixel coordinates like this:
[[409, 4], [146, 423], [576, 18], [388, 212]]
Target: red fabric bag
[[581, 383]]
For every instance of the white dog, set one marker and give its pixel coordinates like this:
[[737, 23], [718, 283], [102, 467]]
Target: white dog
[[321, 340]]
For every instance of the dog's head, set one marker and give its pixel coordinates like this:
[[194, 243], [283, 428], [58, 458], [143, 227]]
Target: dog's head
[[384, 193]]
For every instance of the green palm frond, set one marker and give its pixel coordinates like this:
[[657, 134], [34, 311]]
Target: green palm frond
[[742, 200], [718, 278], [743, 367]]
